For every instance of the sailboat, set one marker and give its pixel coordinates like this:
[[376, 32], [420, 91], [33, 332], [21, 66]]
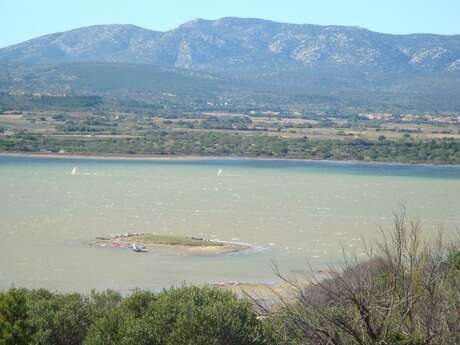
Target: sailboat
[[74, 171], [219, 173]]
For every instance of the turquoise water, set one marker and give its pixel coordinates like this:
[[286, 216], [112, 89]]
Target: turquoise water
[[292, 212]]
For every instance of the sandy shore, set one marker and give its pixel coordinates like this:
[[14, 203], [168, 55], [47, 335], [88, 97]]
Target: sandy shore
[[272, 295]]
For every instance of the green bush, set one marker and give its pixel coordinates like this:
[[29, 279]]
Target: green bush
[[59, 319], [15, 326], [188, 315], [454, 259]]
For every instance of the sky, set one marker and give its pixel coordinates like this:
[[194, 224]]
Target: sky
[[25, 19]]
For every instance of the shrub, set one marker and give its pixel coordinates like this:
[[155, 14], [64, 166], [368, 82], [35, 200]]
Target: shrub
[[454, 259], [403, 294], [59, 319], [15, 326], [187, 315]]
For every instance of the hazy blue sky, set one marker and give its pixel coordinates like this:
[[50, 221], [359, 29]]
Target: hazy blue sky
[[25, 19]]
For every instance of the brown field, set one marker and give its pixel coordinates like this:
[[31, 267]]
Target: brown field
[[133, 125]]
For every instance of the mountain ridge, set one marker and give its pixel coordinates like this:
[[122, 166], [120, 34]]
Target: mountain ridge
[[236, 45], [245, 62]]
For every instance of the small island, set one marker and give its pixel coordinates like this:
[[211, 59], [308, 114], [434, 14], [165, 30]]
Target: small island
[[171, 244]]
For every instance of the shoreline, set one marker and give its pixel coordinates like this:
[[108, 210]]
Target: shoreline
[[196, 158]]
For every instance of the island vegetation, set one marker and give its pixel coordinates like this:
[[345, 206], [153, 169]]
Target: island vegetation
[[407, 292]]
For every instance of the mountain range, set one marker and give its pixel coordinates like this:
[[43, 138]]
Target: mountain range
[[248, 61], [234, 44]]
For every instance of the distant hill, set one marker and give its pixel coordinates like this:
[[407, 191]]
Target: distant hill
[[235, 44], [100, 77], [242, 64]]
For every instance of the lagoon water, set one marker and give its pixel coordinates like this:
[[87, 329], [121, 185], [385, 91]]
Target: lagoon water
[[293, 212]]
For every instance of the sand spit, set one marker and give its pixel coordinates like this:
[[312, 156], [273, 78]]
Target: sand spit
[[168, 244]]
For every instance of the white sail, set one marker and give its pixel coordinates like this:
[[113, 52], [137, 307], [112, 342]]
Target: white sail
[[74, 171], [219, 173]]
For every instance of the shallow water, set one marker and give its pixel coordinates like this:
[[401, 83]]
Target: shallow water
[[293, 212]]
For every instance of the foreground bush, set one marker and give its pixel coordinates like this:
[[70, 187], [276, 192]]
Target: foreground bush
[[406, 293], [15, 326], [188, 315], [59, 319]]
